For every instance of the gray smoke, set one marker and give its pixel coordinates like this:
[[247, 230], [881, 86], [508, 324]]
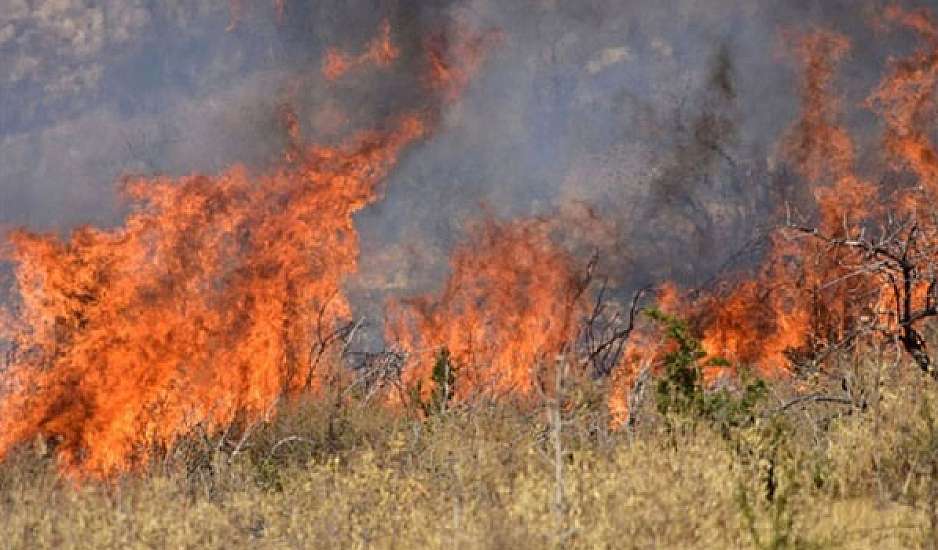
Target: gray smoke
[[659, 116]]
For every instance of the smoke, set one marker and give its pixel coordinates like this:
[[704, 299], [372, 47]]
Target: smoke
[[453, 163], [660, 118]]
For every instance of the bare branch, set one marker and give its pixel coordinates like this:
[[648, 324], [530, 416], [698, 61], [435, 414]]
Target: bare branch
[[617, 337], [813, 398]]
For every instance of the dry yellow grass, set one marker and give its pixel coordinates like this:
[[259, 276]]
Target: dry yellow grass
[[360, 477]]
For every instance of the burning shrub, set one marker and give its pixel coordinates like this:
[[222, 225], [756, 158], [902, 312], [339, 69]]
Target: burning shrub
[[831, 287]]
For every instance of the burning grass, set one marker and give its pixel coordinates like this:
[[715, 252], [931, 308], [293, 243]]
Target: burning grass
[[190, 365], [216, 298], [198, 310], [513, 301]]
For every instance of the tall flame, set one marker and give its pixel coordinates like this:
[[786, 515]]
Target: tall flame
[[511, 303], [809, 294], [906, 101], [789, 305], [203, 306]]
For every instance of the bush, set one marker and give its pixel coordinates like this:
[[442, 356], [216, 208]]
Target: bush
[[681, 392]]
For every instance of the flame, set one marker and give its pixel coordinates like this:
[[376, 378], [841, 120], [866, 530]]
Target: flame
[[456, 57], [644, 351], [808, 295], [202, 307], [816, 145], [381, 52], [906, 101], [510, 304], [822, 151], [788, 305]]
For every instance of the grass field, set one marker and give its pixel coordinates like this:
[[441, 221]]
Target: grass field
[[337, 472]]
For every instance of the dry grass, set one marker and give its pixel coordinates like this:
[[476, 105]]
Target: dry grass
[[356, 476]]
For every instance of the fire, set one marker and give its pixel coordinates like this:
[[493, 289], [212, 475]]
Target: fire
[[643, 353], [822, 151], [906, 102], [510, 305], [381, 52], [446, 75], [202, 307], [205, 308], [786, 306], [811, 295], [790, 306]]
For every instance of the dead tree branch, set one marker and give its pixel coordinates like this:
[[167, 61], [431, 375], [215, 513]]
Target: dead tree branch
[[905, 260], [603, 353]]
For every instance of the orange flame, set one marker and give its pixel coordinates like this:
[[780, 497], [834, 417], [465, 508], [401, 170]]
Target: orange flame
[[644, 351], [456, 58], [906, 101], [808, 294], [381, 52], [789, 305], [820, 149], [202, 307], [761, 319], [511, 302], [202, 310]]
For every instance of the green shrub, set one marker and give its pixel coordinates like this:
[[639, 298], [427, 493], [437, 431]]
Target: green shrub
[[681, 391], [444, 386]]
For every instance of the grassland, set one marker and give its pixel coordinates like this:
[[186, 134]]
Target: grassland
[[335, 471]]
